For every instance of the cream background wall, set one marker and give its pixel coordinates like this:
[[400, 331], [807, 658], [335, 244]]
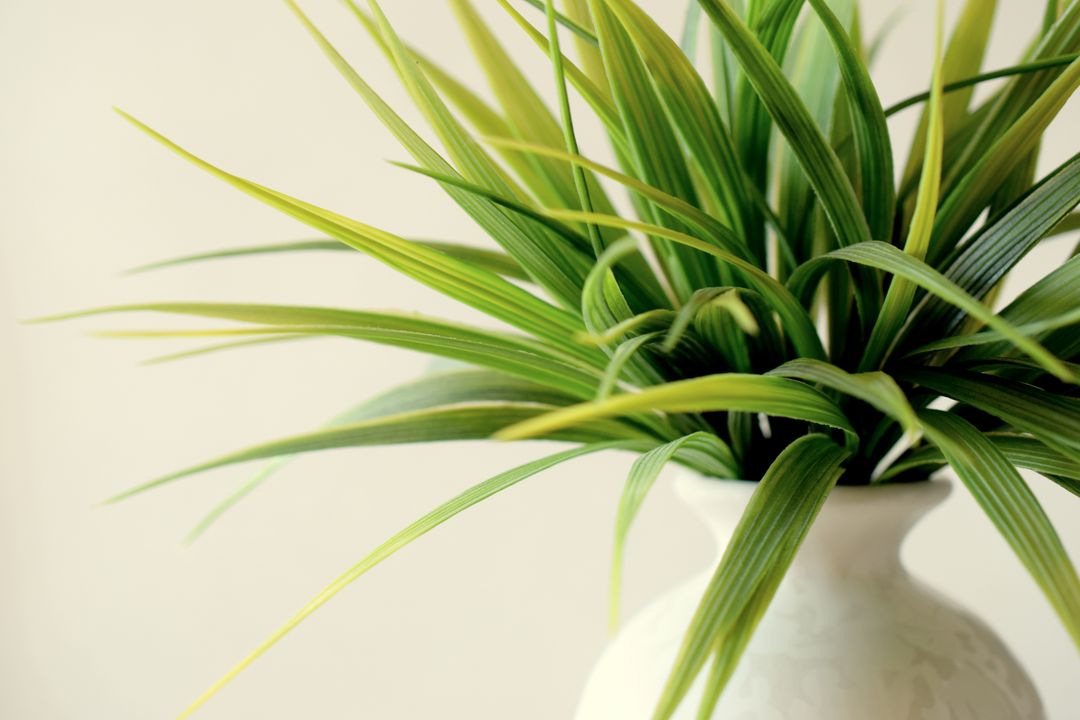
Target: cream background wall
[[103, 613]]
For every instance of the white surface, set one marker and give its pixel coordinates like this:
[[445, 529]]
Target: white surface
[[499, 613], [849, 635]]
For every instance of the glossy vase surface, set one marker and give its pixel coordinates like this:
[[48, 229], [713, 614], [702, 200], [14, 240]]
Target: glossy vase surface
[[850, 635]]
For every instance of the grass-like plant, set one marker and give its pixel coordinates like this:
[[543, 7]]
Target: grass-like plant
[[782, 305]]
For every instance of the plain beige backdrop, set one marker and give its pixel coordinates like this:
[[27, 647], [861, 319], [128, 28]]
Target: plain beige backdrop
[[499, 614]]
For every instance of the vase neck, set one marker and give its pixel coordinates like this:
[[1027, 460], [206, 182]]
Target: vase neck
[[858, 531]]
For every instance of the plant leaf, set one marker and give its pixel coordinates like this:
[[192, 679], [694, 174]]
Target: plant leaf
[[653, 146], [642, 476], [1021, 450], [963, 58], [449, 387], [469, 422], [982, 261], [485, 291], [781, 510], [875, 388], [890, 259], [792, 313], [491, 260], [727, 391], [967, 198], [901, 292], [1051, 418], [692, 111], [1012, 507], [870, 131], [425, 524], [554, 266], [806, 140], [516, 355], [524, 109]]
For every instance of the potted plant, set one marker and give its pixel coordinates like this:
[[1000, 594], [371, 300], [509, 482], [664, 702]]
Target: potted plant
[[811, 334]]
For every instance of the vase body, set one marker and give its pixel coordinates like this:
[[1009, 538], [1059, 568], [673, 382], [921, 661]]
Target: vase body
[[850, 635]]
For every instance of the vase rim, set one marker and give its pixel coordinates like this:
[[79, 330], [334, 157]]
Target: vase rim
[[692, 486]]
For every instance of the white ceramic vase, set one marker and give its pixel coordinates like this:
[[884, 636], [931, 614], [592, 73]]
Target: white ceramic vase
[[850, 634]]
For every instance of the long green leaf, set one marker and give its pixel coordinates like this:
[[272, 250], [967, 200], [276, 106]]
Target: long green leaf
[[870, 131], [592, 86], [484, 119], [581, 180], [449, 387], [990, 336], [982, 261], [1021, 450], [516, 355], [684, 211], [524, 109], [428, 522], [895, 310], [781, 510], [484, 291], [806, 140], [728, 391], [1020, 94], [1051, 418], [890, 259], [972, 192], [642, 476], [490, 260], [653, 145], [692, 111], [1011, 506], [469, 422], [875, 388], [963, 58], [554, 266]]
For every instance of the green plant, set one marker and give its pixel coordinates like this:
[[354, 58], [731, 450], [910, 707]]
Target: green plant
[[778, 309]]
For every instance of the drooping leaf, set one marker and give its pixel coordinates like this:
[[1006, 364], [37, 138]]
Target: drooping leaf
[[875, 388], [1051, 418], [468, 422], [484, 291], [490, 260], [445, 388], [982, 261], [620, 357], [428, 522], [792, 314], [1012, 507], [516, 355], [642, 476], [728, 391], [773, 525], [1021, 450], [890, 259]]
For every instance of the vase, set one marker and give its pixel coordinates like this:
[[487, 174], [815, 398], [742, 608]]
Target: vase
[[850, 635]]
